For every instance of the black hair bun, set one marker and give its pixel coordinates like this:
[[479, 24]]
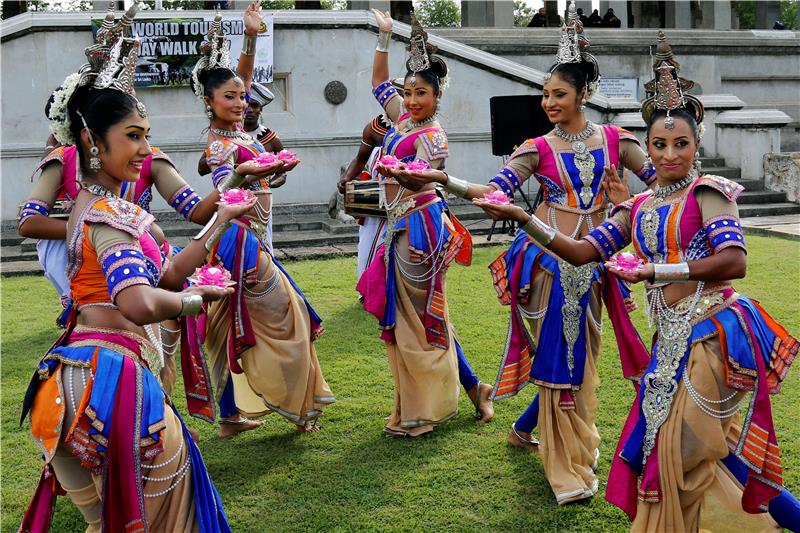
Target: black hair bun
[[438, 66]]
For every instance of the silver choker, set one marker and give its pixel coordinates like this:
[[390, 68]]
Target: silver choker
[[232, 134], [663, 192], [414, 125], [581, 136], [100, 190]]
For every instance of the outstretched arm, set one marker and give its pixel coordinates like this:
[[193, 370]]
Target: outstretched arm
[[357, 165], [173, 188], [252, 23]]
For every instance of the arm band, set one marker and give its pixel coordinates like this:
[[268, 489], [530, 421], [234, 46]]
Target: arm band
[[191, 304], [670, 272], [456, 186], [249, 46], [539, 231], [384, 38]]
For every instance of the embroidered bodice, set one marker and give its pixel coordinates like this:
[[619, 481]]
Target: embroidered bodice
[[223, 155], [700, 222], [110, 249], [566, 179]]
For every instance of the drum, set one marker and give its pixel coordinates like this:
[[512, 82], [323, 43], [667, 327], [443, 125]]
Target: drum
[[362, 198]]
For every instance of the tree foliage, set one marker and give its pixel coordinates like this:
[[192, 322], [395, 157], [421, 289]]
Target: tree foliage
[[523, 13], [438, 13], [746, 10]]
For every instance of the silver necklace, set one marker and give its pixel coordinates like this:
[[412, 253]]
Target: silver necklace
[[232, 134], [581, 136], [584, 160], [663, 192], [100, 190], [414, 125]]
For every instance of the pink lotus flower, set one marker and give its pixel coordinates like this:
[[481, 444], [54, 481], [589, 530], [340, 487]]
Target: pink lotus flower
[[266, 159], [496, 198], [390, 161], [237, 196], [626, 262], [212, 276], [287, 156], [418, 165]]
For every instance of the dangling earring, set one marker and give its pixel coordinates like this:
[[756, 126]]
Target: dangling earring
[[209, 112], [697, 163], [438, 103], [582, 108], [94, 162]]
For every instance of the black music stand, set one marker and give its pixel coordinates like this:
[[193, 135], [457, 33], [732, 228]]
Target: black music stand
[[515, 119]]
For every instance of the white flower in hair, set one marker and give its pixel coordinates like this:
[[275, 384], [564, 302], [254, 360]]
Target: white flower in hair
[[444, 83], [58, 115]]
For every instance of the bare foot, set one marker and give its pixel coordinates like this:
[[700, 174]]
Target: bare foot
[[309, 427], [479, 394], [520, 439], [195, 434], [233, 426]]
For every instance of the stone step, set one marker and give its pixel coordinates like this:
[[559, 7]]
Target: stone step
[[772, 209], [749, 197], [751, 185], [726, 172], [712, 162]]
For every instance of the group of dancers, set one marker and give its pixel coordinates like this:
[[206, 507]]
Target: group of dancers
[[111, 436]]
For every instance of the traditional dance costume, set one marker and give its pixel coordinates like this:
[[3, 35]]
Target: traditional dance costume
[[111, 438], [404, 286], [260, 340]]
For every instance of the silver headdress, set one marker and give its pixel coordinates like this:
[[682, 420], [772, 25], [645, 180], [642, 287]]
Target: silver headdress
[[216, 53], [666, 90], [111, 65], [573, 47], [418, 59]]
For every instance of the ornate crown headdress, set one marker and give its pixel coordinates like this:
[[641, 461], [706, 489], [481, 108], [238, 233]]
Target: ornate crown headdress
[[111, 65], [666, 90], [573, 47], [418, 59], [215, 53]]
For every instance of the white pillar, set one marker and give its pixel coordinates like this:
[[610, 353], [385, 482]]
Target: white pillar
[[678, 14], [722, 15], [503, 13]]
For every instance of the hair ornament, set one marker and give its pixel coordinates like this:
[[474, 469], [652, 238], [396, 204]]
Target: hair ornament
[[418, 59], [111, 64], [215, 52], [573, 47], [666, 90]]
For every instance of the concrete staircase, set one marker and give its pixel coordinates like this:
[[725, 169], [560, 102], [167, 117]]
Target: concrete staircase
[[306, 231]]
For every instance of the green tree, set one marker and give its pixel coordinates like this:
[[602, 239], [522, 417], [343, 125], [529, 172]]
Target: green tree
[[438, 13], [747, 14], [523, 13], [789, 13]]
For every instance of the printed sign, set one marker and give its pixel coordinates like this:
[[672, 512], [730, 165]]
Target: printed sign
[[170, 47], [620, 87]]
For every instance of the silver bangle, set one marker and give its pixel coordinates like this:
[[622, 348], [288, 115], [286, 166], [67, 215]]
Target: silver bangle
[[384, 38], [232, 181], [191, 304], [206, 228], [670, 272], [456, 186], [539, 231], [249, 46], [216, 235]]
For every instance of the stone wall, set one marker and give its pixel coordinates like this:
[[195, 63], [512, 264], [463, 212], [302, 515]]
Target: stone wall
[[782, 173]]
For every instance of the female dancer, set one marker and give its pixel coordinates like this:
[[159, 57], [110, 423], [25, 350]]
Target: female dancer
[[110, 436], [261, 339], [684, 437], [561, 303], [404, 286]]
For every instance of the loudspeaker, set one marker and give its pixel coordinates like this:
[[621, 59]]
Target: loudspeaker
[[515, 119]]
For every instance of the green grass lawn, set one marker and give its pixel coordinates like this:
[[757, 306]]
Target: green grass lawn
[[349, 477]]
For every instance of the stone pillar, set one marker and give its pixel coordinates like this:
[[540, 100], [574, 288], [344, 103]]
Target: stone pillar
[[766, 14], [487, 13], [646, 14], [743, 137], [381, 5], [707, 11], [678, 14], [552, 13], [722, 15]]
